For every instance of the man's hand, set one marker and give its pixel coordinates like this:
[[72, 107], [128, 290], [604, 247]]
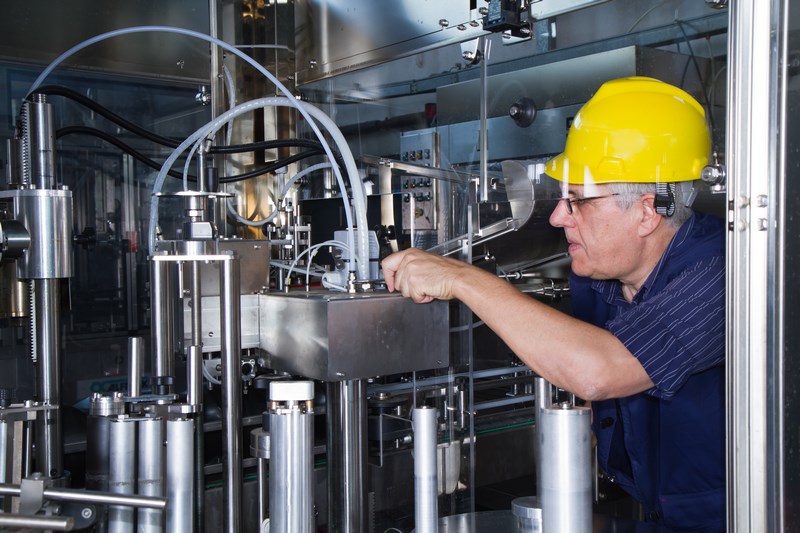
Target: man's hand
[[421, 276]]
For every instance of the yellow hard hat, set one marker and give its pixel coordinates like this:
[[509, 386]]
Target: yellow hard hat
[[638, 130]]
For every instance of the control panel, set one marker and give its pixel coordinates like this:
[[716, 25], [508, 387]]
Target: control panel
[[419, 193]]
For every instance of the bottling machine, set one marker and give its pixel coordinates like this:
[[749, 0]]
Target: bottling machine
[[196, 335]]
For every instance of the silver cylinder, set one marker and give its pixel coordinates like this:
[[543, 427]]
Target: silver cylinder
[[5, 446], [150, 476], [347, 456], [122, 472], [46, 346], [543, 397], [36, 523], [41, 128], [135, 362], [163, 331], [230, 311], [47, 216], [426, 485], [566, 492], [180, 479], [291, 464], [194, 376], [98, 433]]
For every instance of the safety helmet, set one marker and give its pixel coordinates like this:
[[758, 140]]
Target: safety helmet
[[637, 130]]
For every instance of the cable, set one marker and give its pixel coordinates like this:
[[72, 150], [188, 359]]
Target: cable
[[699, 76], [643, 15], [281, 196], [57, 90], [85, 130], [359, 194]]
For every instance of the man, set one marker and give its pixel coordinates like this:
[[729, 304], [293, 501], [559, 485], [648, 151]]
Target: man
[[647, 284]]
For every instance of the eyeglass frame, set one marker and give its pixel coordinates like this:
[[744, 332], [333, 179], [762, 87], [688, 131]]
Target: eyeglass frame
[[581, 200]]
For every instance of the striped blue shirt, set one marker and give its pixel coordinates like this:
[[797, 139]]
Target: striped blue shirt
[[666, 446], [675, 328]]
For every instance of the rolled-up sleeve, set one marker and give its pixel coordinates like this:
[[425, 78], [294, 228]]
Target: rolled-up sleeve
[[681, 330]]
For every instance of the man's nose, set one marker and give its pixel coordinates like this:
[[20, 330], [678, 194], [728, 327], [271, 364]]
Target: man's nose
[[560, 216]]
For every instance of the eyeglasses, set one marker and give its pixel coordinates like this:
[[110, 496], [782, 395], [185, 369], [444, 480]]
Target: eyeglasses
[[578, 201]]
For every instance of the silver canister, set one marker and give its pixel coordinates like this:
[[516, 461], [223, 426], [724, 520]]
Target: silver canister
[[565, 444]]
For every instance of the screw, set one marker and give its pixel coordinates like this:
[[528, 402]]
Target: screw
[[87, 513]]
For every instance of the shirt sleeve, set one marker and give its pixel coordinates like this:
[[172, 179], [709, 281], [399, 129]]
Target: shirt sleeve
[[681, 330]]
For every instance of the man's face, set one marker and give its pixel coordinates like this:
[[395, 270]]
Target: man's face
[[603, 239]]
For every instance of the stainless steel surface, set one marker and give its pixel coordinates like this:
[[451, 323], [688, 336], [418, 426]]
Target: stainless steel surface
[[196, 313], [291, 466], [506, 522], [755, 347], [194, 376], [231, 392], [322, 335], [335, 36], [47, 215], [46, 337], [162, 302], [150, 472], [263, 491], [543, 397], [347, 456], [41, 129], [426, 484], [565, 440], [79, 495], [180, 479], [135, 366], [568, 82], [122, 472]]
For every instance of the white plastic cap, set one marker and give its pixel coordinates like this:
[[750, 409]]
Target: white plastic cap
[[294, 391]]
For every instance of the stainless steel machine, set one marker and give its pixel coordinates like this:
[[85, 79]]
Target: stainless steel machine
[[194, 330]]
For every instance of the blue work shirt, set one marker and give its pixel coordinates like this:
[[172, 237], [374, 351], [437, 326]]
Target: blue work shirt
[[666, 446]]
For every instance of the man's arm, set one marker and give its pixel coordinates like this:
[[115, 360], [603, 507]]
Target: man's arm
[[579, 357]]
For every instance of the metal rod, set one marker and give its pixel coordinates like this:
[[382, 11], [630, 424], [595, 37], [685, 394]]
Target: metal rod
[[150, 477], [180, 475], [230, 310], [484, 144], [161, 308], [196, 308], [347, 456], [426, 484], [41, 126], [57, 523], [135, 360], [88, 496], [121, 474], [263, 491], [46, 333], [194, 376]]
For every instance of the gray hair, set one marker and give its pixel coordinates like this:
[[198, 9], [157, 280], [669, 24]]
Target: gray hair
[[629, 192]]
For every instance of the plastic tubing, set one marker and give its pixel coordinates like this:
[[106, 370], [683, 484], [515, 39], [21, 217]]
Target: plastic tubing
[[357, 185], [359, 193], [284, 191], [332, 242]]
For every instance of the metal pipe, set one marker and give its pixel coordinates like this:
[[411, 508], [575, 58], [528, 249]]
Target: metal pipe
[[98, 433], [180, 478], [46, 330], [196, 308], [163, 327], [543, 397], [263, 491], [426, 484], [291, 475], [150, 476], [26, 522], [5, 439], [135, 361], [566, 465], [88, 496], [122, 474], [194, 376], [230, 318], [347, 456], [41, 127]]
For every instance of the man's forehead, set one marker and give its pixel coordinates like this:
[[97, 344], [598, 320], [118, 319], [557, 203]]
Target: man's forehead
[[587, 189]]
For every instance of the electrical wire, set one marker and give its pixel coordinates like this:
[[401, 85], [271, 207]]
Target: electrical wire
[[359, 193], [699, 76]]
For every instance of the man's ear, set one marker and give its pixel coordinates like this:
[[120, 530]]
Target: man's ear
[[650, 219]]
